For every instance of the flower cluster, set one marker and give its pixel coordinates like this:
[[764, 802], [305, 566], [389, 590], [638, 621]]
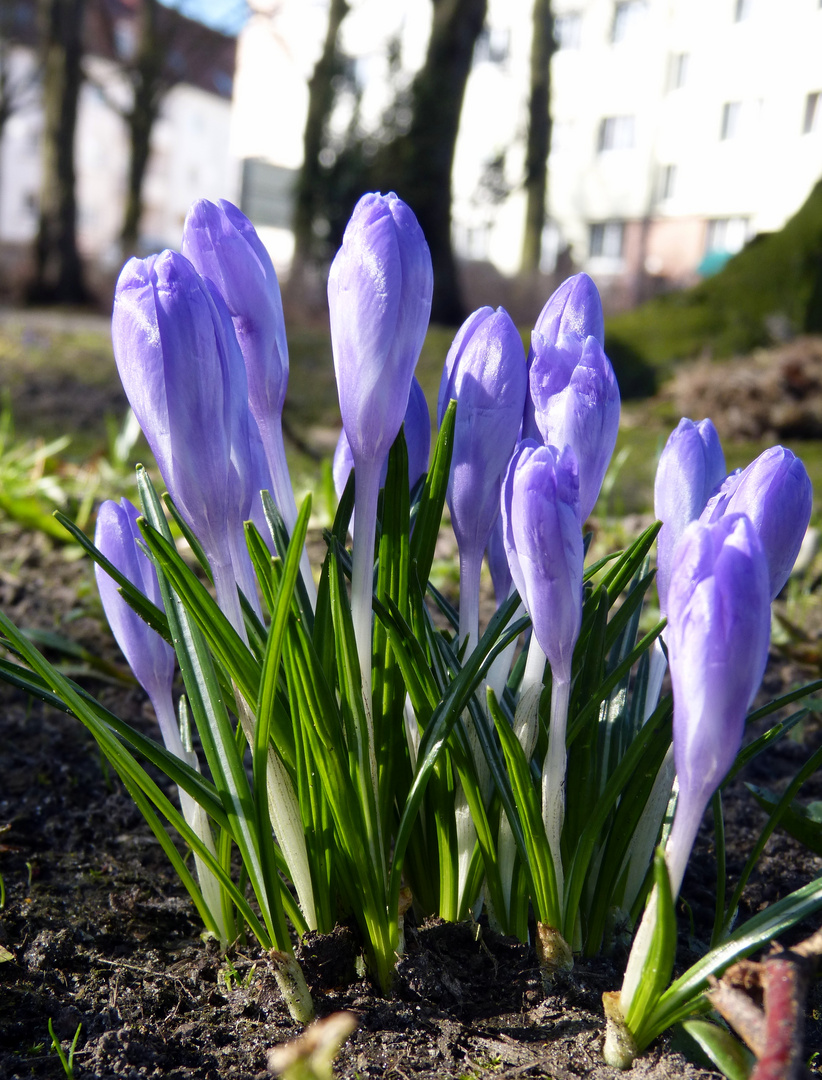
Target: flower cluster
[[394, 763]]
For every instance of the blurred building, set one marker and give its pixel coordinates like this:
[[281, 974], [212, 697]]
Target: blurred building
[[189, 148], [681, 128]]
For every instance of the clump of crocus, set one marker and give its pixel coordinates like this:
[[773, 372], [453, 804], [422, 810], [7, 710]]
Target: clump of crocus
[[485, 372], [775, 492], [153, 662], [574, 397], [379, 300], [718, 635], [543, 540], [184, 376]]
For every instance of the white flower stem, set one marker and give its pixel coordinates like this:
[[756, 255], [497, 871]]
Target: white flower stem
[[553, 780], [366, 497]]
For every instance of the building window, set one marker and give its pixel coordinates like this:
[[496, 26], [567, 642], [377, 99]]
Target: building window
[[606, 240], [727, 235], [731, 120], [628, 16], [743, 9], [616, 133], [568, 30], [678, 70], [493, 45], [813, 114], [667, 182]]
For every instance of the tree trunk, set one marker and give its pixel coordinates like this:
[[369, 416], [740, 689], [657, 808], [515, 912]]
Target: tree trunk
[[539, 134], [320, 105], [421, 161], [58, 276], [149, 86]]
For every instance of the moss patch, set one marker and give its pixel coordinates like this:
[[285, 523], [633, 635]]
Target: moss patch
[[771, 288]]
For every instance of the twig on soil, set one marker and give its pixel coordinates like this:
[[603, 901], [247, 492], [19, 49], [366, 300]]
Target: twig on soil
[[774, 1029]]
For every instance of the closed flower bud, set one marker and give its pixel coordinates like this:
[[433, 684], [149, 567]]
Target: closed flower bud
[[148, 655], [379, 299], [224, 247], [574, 395], [718, 635], [485, 371], [690, 467], [775, 492], [574, 312], [543, 540]]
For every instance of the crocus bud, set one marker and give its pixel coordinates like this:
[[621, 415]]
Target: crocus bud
[[543, 540], [224, 247], [379, 300], [485, 371], [417, 428], [690, 467], [573, 311], [573, 389], [718, 634], [775, 493], [183, 374], [148, 655]]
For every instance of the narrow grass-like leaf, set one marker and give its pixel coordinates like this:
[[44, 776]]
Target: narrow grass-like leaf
[[659, 960], [222, 638], [720, 1047]]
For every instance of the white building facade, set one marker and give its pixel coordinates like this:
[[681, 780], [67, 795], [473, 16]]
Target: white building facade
[[189, 159], [681, 128]]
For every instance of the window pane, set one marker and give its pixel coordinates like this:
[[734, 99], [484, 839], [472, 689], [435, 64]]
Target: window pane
[[628, 15], [812, 113], [731, 119], [568, 30]]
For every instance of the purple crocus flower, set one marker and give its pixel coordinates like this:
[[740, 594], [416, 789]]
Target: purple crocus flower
[[775, 492], [379, 301], [485, 371], [574, 397], [224, 247], [183, 374], [417, 427], [690, 467], [148, 655], [718, 635], [543, 540]]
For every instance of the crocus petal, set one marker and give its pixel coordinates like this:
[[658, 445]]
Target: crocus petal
[[573, 312], [690, 467], [417, 428], [775, 493], [576, 402], [543, 540]]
